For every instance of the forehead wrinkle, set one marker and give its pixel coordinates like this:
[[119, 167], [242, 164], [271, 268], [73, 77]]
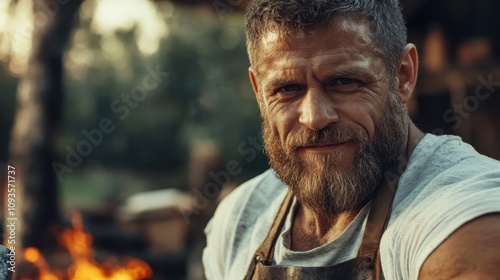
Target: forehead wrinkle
[[343, 23], [284, 70]]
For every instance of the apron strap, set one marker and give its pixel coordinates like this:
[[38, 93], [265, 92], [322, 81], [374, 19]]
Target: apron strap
[[377, 221], [264, 252], [266, 249]]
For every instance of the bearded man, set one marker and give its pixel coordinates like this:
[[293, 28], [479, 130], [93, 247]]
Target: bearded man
[[356, 191]]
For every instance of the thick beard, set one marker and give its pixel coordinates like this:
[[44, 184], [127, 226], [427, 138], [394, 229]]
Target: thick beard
[[320, 182]]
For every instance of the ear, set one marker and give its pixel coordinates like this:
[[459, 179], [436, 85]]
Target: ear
[[253, 80], [407, 73]]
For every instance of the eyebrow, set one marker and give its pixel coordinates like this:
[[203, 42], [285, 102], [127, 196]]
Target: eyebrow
[[358, 69], [353, 72], [278, 81]]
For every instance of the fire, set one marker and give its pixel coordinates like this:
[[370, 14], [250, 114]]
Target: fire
[[79, 245]]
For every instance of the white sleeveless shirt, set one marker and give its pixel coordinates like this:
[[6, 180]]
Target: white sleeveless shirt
[[446, 184]]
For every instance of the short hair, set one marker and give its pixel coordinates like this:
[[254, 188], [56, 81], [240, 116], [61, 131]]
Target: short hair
[[385, 17]]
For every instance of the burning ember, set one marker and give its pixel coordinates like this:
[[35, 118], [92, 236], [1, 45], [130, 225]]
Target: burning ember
[[84, 267]]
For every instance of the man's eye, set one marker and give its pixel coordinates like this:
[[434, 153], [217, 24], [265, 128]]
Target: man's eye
[[343, 81], [289, 88], [345, 84]]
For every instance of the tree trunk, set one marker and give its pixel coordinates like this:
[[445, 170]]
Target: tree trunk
[[38, 117]]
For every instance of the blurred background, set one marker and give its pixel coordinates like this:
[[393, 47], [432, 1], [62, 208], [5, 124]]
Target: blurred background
[[128, 121]]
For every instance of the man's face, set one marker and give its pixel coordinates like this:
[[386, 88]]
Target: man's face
[[332, 123]]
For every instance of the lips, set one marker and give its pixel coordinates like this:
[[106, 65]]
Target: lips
[[324, 147]]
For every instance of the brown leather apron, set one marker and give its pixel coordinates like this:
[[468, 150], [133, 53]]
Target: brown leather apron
[[365, 266]]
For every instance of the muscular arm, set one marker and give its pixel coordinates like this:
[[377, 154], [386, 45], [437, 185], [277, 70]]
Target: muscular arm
[[471, 252]]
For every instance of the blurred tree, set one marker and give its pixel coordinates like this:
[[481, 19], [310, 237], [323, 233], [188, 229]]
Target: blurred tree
[[206, 96], [8, 86], [37, 121]]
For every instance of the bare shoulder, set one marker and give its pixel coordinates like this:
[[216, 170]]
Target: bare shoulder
[[471, 252]]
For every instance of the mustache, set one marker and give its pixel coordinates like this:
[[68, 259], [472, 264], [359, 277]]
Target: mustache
[[326, 136]]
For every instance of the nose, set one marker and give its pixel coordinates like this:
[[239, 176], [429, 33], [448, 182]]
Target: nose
[[317, 110]]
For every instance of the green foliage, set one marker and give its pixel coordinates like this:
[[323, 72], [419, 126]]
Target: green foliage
[[206, 96]]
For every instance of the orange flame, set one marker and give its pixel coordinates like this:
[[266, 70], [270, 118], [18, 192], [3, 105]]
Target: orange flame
[[79, 245]]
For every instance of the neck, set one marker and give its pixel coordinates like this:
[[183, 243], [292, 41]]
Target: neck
[[414, 137], [311, 229]]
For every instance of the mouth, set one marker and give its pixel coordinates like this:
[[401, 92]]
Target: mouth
[[324, 147]]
